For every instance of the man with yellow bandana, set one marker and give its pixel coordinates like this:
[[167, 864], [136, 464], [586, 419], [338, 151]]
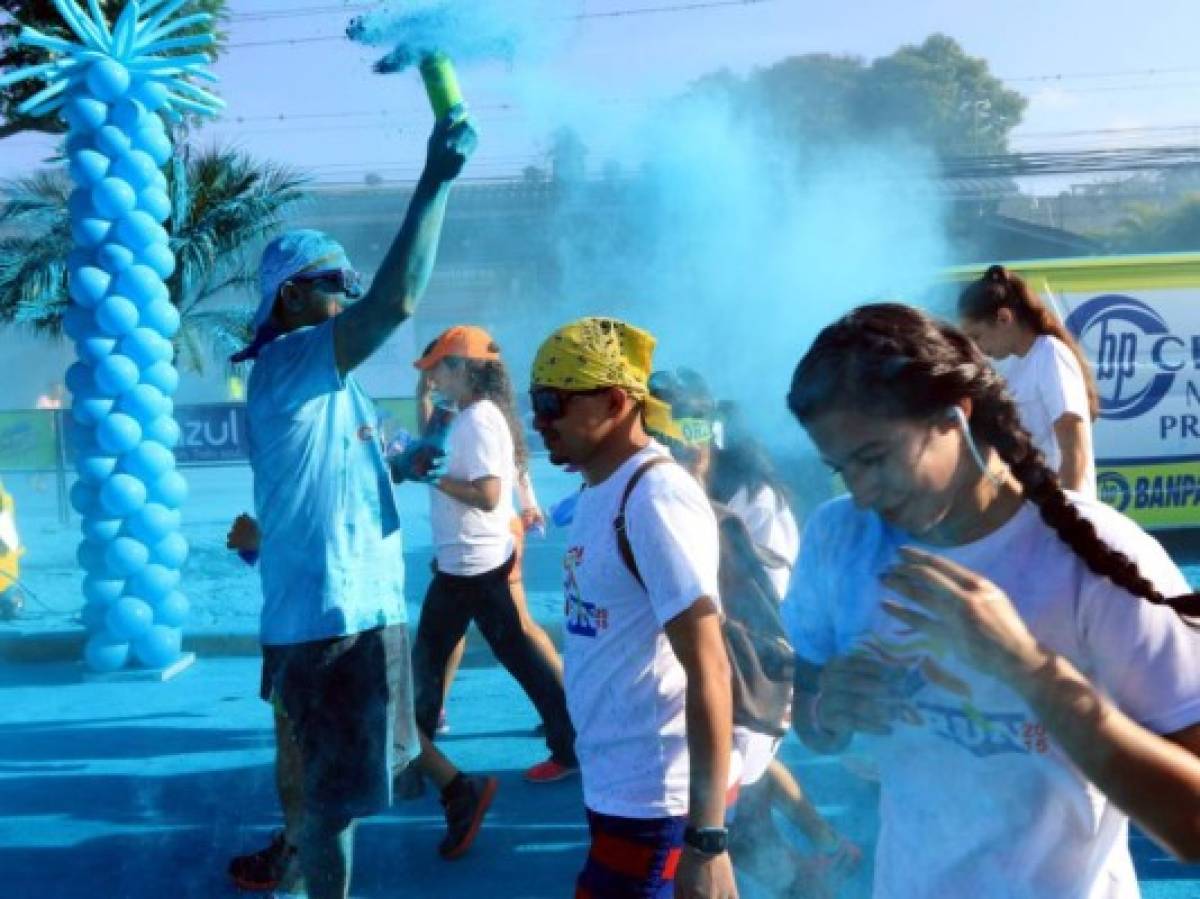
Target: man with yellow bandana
[[647, 677]]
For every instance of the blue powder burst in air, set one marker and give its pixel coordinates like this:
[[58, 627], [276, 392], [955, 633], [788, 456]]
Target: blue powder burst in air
[[466, 30]]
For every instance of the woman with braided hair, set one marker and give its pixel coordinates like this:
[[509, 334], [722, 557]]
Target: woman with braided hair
[[1014, 653], [1048, 376]]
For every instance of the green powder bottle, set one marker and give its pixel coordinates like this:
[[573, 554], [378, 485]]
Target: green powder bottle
[[441, 83]]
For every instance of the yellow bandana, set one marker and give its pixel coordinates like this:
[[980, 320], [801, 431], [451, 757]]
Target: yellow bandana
[[603, 352]]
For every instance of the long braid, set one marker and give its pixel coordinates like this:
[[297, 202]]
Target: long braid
[[900, 356]]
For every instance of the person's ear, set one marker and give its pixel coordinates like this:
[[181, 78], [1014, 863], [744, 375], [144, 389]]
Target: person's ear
[[1004, 316]]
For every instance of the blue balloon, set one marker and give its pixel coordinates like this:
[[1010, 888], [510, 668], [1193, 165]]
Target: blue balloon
[[163, 317], [170, 489], [104, 653], [113, 197], [112, 142], [141, 345], [101, 591], [164, 376], [125, 557], [118, 434], [89, 284], [171, 551], [138, 229], [85, 113], [128, 618], [79, 378], [116, 315], [91, 410], [114, 258], [173, 610], [90, 232], [95, 469], [154, 142], [153, 582], [164, 430], [142, 285], [155, 203], [114, 374], [122, 495], [148, 461], [78, 322], [88, 166], [142, 402], [90, 555], [108, 80], [101, 530], [159, 646], [92, 348], [127, 114], [159, 257], [151, 94], [152, 523], [84, 497], [139, 169]]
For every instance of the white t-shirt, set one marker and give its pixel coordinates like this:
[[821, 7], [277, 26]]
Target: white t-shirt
[[467, 540], [978, 799], [773, 528], [1047, 384], [625, 687]]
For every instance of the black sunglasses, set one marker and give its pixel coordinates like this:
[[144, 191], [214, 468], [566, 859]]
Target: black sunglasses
[[550, 403], [341, 280]]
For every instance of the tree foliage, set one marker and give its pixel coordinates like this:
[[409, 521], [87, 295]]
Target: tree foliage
[[932, 93]]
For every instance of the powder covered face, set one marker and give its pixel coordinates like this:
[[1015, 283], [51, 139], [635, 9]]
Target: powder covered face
[[912, 473]]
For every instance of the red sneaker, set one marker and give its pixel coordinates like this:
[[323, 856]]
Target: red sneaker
[[275, 867], [549, 771]]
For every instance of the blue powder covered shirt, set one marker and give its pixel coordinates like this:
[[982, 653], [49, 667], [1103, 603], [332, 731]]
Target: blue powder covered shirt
[[331, 556]]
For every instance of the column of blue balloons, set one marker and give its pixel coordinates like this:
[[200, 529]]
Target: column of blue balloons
[[113, 85], [122, 321]]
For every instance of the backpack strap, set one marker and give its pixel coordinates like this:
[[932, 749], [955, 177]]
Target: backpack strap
[[623, 545]]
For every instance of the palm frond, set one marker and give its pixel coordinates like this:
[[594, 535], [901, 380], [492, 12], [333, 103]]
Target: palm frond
[[40, 196]]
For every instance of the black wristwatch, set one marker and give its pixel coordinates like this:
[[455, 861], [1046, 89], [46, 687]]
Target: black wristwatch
[[711, 841]]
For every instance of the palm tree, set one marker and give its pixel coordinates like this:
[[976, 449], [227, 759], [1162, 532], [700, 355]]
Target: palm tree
[[224, 204]]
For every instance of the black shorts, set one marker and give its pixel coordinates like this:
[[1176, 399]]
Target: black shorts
[[349, 702]]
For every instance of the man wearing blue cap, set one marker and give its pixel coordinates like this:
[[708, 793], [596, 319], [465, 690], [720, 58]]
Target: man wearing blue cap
[[335, 647]]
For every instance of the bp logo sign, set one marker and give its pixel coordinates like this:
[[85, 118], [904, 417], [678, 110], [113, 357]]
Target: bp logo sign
[[1136, 355], [1113, 489]]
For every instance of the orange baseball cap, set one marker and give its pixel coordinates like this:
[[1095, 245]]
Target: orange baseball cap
[[465, 341]]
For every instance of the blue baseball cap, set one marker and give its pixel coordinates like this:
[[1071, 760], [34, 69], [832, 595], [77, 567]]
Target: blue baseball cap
[[289, 254]]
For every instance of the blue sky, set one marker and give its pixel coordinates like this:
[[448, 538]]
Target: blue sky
[[1097, 72]]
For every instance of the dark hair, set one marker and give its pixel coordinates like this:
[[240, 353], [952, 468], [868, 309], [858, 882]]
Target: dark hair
[[895, 361], [488, 379], [743, 462], [999, 289]]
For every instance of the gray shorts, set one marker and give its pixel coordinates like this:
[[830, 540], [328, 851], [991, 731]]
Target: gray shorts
[[349, 701]]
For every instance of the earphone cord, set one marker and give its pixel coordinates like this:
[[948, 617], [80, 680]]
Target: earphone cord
[[996, 480]]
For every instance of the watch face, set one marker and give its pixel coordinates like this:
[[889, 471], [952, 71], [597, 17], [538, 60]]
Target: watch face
[[707, 840]]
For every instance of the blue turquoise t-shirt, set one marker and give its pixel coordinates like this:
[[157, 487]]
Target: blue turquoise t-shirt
[[331, 558]]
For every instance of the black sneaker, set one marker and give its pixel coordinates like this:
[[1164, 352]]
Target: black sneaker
[[277, 867], [466, 801]]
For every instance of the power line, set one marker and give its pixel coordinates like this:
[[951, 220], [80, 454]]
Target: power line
[[696, 6]]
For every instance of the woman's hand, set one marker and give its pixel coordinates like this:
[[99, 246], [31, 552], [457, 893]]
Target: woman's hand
[[859, 693], [965, 611]]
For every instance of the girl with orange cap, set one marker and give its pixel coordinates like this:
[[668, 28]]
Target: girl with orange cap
[[472, 512]]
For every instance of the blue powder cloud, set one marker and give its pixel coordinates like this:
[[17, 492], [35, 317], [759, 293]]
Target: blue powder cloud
[[466, 30]]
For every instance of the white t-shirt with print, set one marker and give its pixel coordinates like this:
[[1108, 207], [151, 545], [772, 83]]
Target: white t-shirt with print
[[978, 799], [1047, 384], [468, 540], [625, 687], [773, 528]]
